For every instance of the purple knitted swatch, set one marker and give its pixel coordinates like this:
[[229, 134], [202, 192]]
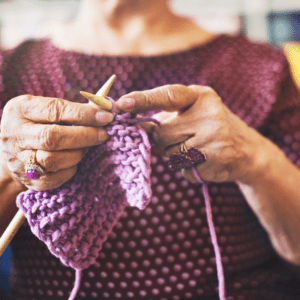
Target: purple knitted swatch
[[75, 219]]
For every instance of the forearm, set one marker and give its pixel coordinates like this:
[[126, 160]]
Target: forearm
[[9, 189], [272, 189]]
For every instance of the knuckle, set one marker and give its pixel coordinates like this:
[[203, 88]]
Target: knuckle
[[208, 90], [10, 109], [53, 109], [8, 137], [212, 95], [204, 90], [169, 93], [20, 99], [52, 182], [9, 106], [49, 137], [23, 103], [5, 136], [79, 113], [147, 99], [16, 167], [47, 161]]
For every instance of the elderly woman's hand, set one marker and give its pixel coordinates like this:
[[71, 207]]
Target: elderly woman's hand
[[197, 116], [41, 123]]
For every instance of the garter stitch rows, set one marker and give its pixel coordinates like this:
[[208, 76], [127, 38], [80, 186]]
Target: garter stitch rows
[[75, 219]]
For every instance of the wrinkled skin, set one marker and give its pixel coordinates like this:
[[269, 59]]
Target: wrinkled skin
[[41, 123], [197, 116], [194, 115]]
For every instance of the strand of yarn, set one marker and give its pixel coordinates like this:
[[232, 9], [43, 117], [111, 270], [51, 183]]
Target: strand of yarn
[[75, 219], [220, 271], [78, 275], [132, 120]]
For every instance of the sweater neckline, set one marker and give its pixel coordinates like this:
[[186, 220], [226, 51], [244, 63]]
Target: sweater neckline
[[218, 39]]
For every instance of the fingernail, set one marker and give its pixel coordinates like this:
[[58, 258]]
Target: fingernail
[[103, 136], [126, 104], [103, 117]]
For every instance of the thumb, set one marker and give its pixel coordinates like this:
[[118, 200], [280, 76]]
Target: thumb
[[168, 98]]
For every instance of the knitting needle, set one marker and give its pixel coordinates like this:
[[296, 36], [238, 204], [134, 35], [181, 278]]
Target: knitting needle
[[11, 230], [19, 217], [99, 98]]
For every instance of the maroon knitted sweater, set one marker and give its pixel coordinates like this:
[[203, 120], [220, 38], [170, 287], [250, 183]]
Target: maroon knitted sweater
[[165, 251]]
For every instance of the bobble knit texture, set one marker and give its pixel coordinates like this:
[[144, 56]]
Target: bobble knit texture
[[164, 252]]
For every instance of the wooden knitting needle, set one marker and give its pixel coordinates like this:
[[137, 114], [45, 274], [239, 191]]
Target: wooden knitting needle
[[19, 217], [99, 98], [11, 230]]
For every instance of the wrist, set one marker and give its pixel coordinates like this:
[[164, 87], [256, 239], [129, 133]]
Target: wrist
[[261, 161]]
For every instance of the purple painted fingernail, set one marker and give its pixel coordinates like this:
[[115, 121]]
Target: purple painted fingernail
[[103, 117], [126, 104], [103, 136]]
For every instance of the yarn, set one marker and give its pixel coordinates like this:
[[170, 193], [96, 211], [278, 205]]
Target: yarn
[[75, 219], [220, 271], [39, 68]]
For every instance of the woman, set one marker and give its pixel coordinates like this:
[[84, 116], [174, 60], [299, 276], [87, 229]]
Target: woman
[[237, 104]]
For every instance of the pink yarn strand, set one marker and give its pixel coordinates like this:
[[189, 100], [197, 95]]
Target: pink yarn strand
[[76, 286], [220, 272]]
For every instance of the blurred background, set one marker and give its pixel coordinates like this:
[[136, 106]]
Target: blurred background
[[273, 21]]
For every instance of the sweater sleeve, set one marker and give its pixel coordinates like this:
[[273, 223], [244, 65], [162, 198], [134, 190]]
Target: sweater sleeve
[[283, 123], [283, 128]]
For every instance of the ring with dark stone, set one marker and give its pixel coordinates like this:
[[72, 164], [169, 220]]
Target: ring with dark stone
[[186, 158]]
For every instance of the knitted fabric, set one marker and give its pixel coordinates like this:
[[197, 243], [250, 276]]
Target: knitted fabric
[[54, 218], [75, 219], [165, 251]]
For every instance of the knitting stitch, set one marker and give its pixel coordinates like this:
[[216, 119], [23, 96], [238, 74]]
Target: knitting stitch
[[76, 218], [165, 251]]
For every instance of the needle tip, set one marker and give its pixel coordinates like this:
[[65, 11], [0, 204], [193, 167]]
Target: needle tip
[[106, 87], [99, 98]]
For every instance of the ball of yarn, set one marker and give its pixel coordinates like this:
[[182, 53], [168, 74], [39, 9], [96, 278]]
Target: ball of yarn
[[75, 219]]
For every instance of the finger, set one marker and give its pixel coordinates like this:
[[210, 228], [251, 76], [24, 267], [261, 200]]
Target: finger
[[175, 149], [52, 180], [169, 98], [173, 129], [189, 141], [206, 170], [55, 110], [149, 127], [54, 161], [58, 137], [188, 175]]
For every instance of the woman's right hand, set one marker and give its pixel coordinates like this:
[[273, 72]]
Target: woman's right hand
[[34, 122]]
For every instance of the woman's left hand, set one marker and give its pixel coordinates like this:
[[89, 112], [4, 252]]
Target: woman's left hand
[[235, 152], [197, 116]]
